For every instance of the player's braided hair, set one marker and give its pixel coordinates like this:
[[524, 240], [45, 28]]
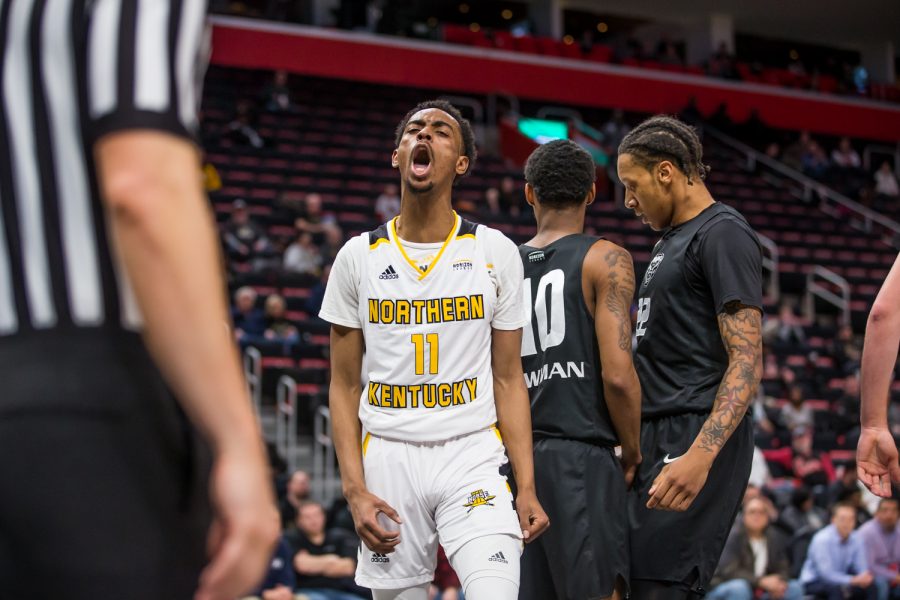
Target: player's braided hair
[[465, 128], [666, 138], [561, 173]]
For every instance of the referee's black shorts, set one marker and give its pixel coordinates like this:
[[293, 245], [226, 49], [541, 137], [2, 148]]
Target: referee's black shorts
[[685, 547], [582, 488], [102, 482]]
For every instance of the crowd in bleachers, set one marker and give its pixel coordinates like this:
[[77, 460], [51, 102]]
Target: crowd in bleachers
[[281, 230]]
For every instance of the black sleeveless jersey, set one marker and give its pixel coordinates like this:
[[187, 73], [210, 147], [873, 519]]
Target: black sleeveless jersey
[[559, 346], [697, 268]]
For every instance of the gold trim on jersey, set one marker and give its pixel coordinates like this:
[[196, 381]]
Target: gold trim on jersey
[[365, 443], [450, 237], [466, 235], [379, 242]]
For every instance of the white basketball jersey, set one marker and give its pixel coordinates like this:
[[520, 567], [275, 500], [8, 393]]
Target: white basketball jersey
[[428, 337]]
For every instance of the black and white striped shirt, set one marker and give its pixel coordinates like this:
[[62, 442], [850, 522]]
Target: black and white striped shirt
[[72, 71]]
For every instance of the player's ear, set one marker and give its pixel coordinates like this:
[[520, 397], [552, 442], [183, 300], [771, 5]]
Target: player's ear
[[530, 196], [462, 165], [395, 160], [664, 171], [592, 193]]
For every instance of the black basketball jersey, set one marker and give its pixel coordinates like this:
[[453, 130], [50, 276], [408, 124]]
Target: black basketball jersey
[[559, 346], [696, 269]]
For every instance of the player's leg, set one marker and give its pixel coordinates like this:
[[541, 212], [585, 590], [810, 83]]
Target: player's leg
[[646, 589], [488, 567], [418, 592], [536, 578]]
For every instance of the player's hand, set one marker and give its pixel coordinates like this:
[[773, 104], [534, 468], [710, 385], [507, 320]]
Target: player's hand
[[532, 518], [679, 482], [876, 460], [245, 528], [631, 460], [365, 508]]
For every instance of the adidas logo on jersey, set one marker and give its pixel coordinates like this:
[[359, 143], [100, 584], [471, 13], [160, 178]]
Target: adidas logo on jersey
[[389, 273], [380, 558], [498, 557]]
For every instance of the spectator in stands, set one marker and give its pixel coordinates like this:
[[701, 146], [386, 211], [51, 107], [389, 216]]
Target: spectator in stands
[[796, 416], [245, 240], [793, 153], [280, 580], [315, 220], [296, 493], [325, 561], [302, 256], [755, 561], [278, 326], [773, 151], [249, 321], [844, 485], [802, 513], [614, 131], [242, 129], [759, 469], [808, 467], [886, 182], [276, 96], [510, 197], [785, 330], [814, 161], [317, 293], [845, 350], [490, 208], [668, 54], [722, 64], [844, 156], [881, 539], [836, 567], [387, 206], [845, 409]]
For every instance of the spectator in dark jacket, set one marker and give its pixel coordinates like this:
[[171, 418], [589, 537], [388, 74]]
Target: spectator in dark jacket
[[755, 560]]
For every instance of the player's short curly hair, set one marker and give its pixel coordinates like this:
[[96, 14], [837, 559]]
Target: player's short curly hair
[[561, 173], [666, 138], [465, 128]]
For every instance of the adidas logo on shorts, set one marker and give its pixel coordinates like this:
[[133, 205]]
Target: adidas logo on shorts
[[498, 557], [381, 558], [389, 273]]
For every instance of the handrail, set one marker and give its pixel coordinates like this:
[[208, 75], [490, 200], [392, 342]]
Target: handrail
[[253, 376], [286, 420], [770, 264], [816, 289], [324, 469], [868, 216]]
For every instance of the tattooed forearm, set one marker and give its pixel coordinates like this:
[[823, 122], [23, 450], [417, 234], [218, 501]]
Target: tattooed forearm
[[620, 292], [741, 332]]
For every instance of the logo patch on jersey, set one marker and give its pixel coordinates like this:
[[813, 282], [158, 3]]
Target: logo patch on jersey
[[389, 273], [380, 558], [464, 264], [498, 557], [479, 498], [653, 267], [536, 256]]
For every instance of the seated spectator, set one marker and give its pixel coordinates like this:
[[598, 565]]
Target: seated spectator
[[668, 54], [836, 567], [296, 493], [796, 416], [846, 351], [280, 580], [773, 151], [316, 221], [785, 330], [249, 321], [325, 561], [276, 96], [759, 469], [245, 240], [510, 197], [387, 205], [807, 466], [279, 327], [814, 161], [881, 539], [844, 156], [721, 64], [302, 256], [802, 513], [886, 182], [241, 129], [317, 293], [490, 208], [845, 408], [755, 561], [793, 153]]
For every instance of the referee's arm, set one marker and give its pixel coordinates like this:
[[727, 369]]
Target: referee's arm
[[141, 99]]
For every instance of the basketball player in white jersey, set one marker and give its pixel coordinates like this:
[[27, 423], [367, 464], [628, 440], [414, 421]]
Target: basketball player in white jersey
[[436, 304]]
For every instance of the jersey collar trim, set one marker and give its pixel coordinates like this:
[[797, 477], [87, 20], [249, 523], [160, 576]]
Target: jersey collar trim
[[450, 236]]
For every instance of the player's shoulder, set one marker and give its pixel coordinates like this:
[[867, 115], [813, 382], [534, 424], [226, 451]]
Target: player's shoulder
[[604, 257], [493, 240], [724, 221]]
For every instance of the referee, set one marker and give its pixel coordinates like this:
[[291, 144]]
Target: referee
[[111, 294]]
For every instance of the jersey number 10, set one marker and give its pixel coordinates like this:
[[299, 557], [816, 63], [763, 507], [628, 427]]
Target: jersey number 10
[[548, 310]]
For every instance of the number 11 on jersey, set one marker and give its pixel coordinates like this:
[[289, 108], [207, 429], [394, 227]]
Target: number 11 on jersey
[[419, 340]]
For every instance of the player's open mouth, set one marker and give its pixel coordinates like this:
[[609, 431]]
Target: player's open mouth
[[421, 160]]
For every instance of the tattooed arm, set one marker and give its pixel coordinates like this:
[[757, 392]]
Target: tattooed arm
[[679, 482], [608, 285]]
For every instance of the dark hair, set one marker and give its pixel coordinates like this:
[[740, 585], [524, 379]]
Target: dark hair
[[561, 173], [799, 496], [465, 128], [884, 501], [843, 504], [666, 138]]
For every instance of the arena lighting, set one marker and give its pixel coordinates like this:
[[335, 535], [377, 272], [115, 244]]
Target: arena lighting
[[506, 14], [432, 21], [602, 27], [794, 55], [474, 27], [543, 130], [463, 8], [568, 40]]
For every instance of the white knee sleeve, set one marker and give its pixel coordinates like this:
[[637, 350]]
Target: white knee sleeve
[[419, 592], [488, 567]]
